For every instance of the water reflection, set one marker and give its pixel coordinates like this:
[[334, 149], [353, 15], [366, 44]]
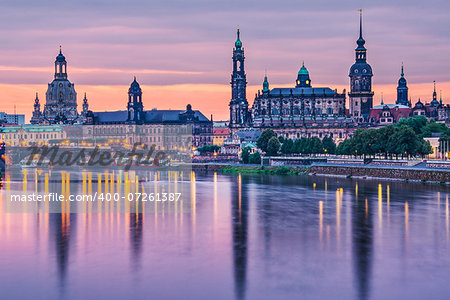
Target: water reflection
[[239, 211], [243, 236], [362, 240]]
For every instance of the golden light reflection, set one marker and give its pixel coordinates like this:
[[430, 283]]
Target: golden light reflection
[[193, 201], [356, 192], [338, 216], [380, 205]]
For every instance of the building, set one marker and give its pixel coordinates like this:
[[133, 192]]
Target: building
[[307, 111], [361, 94], [240, 116], [30, 135], [220, 135], [61, 99], [161, 127], [16, 119]]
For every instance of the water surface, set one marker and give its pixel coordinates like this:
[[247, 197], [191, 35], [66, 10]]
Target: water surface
[[238, 237]]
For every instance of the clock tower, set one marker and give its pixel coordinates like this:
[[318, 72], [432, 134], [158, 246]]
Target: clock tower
[[361, 94]]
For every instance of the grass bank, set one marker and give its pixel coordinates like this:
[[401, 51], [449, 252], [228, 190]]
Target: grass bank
[[282, 170]]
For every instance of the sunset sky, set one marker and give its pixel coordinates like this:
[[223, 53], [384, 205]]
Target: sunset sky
[[180, 50]]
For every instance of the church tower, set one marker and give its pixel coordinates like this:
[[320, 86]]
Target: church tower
[[239, 114], [37, 115], [402, 90], [135, 107], [361, 95]]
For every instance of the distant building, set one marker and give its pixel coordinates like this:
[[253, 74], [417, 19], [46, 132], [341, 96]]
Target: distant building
[[12, 119], [154, 122], [220, 135], [61, 99], [29, 135]]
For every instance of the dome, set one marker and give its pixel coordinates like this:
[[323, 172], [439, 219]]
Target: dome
[[303, 71], [134, 87], [402, 81], [361, 69], [60, 56]]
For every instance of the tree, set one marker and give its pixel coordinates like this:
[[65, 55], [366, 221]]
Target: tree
[[287, 147], [245, 155], [425, 148], [255, 158], [263, 140], [329, 145], [273, 146], [315, 146], [416, 123]]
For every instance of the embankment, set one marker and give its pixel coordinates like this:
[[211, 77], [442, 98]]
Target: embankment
[[382, 172]]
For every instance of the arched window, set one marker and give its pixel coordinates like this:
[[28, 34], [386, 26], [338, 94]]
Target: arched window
[[274, 111], [296, 111]]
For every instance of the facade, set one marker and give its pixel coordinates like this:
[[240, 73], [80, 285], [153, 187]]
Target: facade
[[156, 126], [220, 135], [29, 135], [308, 111], [61, 99], [16, 119]]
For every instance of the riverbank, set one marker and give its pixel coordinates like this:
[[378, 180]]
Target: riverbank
[[424, 175]]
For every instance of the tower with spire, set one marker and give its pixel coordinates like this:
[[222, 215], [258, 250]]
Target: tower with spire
[[135, 107], [402, 90], [239, 113], [361, 94], [434, 102], [37, 114]]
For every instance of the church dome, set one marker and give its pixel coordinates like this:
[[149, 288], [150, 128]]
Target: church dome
[[134, 87], [60, 57], [303, 70]]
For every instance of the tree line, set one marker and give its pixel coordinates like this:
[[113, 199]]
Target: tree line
[[405, 138]]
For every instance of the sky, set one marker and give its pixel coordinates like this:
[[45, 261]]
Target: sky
[[180, 50]]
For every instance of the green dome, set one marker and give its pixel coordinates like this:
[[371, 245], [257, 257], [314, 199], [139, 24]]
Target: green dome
[[303, 70]]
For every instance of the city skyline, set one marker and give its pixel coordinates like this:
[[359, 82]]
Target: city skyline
[[198, 71]]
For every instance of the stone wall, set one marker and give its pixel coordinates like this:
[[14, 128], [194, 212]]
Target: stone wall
[[394, 173]]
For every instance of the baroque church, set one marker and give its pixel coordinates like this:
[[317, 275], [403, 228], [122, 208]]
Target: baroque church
[[307, 111], [61, 99]]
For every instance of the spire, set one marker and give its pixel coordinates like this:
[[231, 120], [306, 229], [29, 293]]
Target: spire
[[382, 102], [60, 49], [360, 40], [402, 73], [360, 23], [265, 84], [434, 92], [440, 97], [238, 43]]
